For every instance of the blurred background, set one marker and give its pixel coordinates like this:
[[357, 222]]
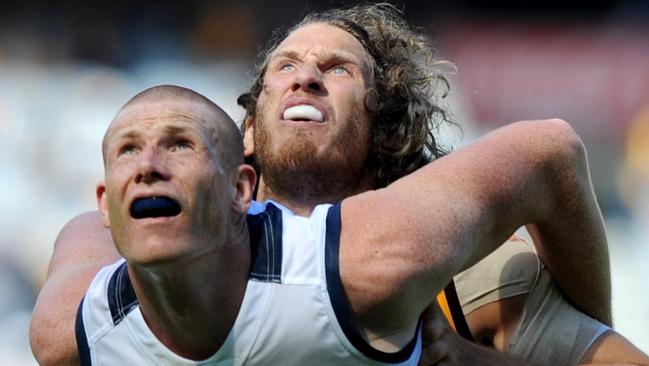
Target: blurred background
[[65, 70]]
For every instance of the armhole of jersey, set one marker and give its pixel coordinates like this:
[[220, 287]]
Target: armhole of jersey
[[339, 299], [82, 340], [121, 296], [266, 230]]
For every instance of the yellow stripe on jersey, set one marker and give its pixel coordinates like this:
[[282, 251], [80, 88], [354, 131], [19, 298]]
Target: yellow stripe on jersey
[[443, 304]]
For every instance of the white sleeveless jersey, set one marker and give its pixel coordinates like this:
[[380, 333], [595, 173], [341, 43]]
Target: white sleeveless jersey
[[294, 311]]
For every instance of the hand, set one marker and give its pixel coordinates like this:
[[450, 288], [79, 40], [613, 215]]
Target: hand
[[443, 347], [439, 342]]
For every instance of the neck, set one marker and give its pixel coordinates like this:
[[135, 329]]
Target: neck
[[178, 300], [303, 204]]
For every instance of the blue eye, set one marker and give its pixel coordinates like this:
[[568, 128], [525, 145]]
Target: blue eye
[[286, 67], [181, 145], [126, 150], [339, 69]]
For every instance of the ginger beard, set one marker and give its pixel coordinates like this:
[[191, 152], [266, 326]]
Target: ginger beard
[[301, 170]]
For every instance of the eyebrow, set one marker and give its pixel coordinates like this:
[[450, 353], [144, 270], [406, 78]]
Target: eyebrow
[[332, 54], [131, 134], [174, 130], [126, 135]]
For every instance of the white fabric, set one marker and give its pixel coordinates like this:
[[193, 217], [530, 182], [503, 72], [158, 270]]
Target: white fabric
[[287, 323]]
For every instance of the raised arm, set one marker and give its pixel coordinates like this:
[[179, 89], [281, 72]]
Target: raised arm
[[82, 247], [449, 214]]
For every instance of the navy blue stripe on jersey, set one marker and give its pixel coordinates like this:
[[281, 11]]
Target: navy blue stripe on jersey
[[82, 340], [121, 297], [461, 326], [339, 299], [266, 244]]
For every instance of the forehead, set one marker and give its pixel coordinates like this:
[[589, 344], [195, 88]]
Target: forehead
[[322, 38], [147, 115]]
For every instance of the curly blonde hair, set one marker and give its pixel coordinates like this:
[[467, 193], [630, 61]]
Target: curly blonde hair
[[409, 85]]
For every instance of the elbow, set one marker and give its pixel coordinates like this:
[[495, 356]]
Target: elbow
[[566, 173], [563, 148], [548, 141], [567, 141]]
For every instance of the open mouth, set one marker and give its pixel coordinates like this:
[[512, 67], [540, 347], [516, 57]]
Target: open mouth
[[151, 207]]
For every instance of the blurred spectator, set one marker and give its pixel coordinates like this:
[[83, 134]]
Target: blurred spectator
[[16, 302]]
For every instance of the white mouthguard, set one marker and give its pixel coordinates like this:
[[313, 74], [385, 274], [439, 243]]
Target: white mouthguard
[[303, 111]]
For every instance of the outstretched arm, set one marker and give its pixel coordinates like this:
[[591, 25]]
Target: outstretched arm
[[449, 214], [82, 247]]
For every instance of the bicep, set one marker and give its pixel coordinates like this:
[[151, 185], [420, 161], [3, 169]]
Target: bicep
[[81, 249]]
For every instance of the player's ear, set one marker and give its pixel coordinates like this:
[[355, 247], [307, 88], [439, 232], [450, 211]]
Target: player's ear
[[246, 179], [248, 137], [102, 202]]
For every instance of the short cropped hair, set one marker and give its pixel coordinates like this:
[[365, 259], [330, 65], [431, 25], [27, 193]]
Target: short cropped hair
[[227, 138]]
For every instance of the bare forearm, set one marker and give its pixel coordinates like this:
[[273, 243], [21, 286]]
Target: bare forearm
[[575, 248], [583, 273], [557, 200]]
